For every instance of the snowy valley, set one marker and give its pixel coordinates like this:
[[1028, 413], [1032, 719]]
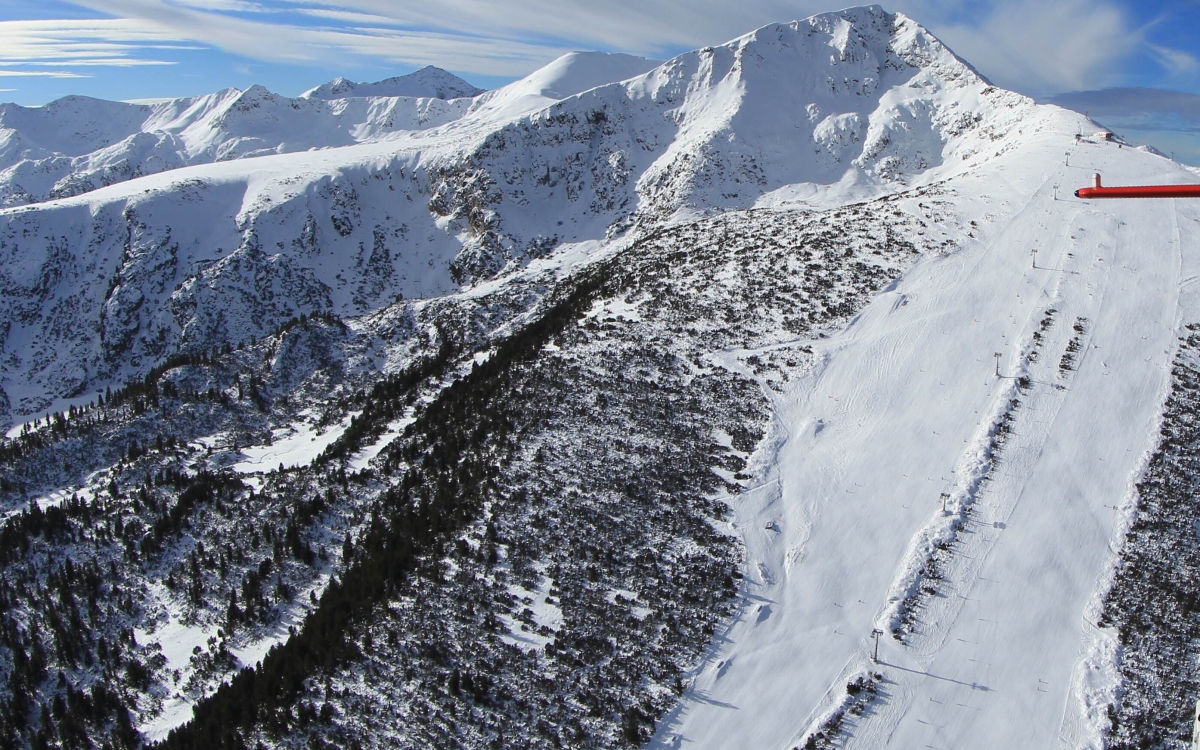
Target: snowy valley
[[635, 403]]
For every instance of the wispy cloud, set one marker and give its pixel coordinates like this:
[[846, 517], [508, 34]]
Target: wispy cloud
[[349, 16], [1035, 46], [107, 62], [1041, 48], [1174, 61], [40, 74], [239, 6], [116, 42], [389, 37], [1145, 107]]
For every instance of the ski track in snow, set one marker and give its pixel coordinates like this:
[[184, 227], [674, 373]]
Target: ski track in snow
[[899, 410]]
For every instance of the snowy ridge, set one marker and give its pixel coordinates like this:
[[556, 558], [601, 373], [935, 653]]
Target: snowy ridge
[[429, 82], [77, 144], [42, 158], [571, 74]]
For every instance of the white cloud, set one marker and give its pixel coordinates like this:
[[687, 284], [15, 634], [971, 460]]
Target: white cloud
[[1174, 61], [291, 43], [91, 43], [349, 16], [108, 62], [240, 6], [499, 37], [1034, 46], [646, 27], [1145, 109], [40, 74], [1039, 48]]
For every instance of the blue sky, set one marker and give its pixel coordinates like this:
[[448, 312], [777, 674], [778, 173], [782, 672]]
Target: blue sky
[[127, 49]]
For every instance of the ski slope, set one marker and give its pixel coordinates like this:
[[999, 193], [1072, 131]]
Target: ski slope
[[904, 407]]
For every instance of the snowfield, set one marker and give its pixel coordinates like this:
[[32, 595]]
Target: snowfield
[[902, 409]]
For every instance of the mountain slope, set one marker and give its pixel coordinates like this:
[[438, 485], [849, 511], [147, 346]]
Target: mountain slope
[[881, 105], [988, 611], [619, 421]]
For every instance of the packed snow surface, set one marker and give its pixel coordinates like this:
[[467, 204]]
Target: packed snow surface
[[1004, 652]]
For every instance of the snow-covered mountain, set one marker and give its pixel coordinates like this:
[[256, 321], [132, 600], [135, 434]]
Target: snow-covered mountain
[[76, 144], [570, 74], [850, 105], [626, 405], [427, 83]]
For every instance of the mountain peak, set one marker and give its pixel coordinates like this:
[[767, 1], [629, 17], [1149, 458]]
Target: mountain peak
[[566, 76], [429, 82]]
